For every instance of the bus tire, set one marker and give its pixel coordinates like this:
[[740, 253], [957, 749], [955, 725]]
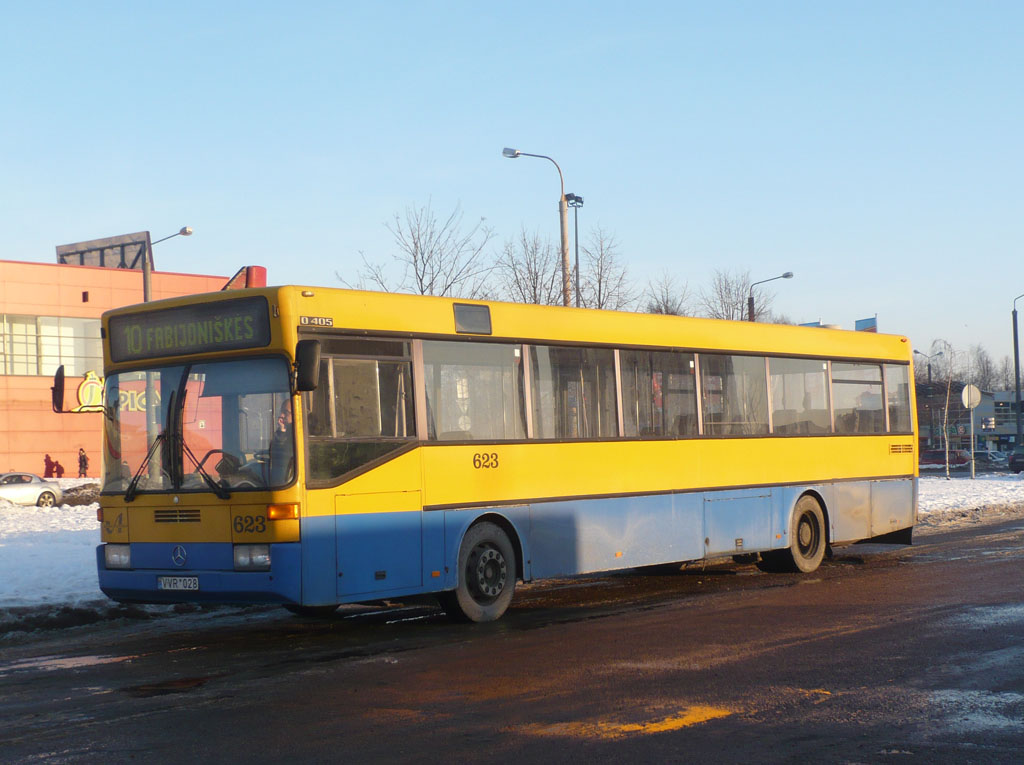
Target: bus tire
[[808, 541], [486, 576]]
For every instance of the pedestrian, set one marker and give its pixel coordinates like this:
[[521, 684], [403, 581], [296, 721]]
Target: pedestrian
[[83, 464], [47, 467], [58, 469]]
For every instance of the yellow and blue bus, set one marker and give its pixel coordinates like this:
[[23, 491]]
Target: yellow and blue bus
[[313, 446]]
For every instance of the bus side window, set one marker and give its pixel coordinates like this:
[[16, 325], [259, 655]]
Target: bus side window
[[361, 410], [897, 390], [573, 392], [474, 391], [659, 394], [799, 396], [857, 388], [734, 391]]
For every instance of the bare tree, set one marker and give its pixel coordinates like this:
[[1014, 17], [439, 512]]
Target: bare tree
[[664, 295], [1006, 378], [437, 256], [604, 282], [529, 270], [983, 370], [726, 298], [942, 363]]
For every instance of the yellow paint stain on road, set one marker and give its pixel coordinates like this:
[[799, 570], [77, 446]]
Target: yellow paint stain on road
[[606, 729], [817, 695]]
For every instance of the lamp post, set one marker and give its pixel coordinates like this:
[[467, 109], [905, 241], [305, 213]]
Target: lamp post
[[563, 216], [1016, 371], [147, 262], [929, 358], [750, 297], [576, 202]]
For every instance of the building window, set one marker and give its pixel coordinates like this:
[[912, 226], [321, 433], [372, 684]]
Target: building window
[[37, 345], [20, 354]]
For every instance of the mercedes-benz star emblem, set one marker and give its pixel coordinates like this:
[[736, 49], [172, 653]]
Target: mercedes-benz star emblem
[[178, 555]]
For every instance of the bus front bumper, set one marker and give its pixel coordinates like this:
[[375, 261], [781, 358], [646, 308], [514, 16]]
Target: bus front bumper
[[200, 572]]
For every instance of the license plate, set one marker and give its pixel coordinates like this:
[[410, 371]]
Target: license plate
[[177, 582]]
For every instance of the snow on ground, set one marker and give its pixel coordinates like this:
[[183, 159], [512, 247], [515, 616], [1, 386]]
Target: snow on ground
[[48, 560]]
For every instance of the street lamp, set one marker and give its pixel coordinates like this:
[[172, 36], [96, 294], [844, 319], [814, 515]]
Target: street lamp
[[576, 202], [147, 262], [1016, 370], [929, 358], [750, 297], [563, 216]]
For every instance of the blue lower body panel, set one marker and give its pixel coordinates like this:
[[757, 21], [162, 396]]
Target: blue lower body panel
[[360, 557], [213, 564]]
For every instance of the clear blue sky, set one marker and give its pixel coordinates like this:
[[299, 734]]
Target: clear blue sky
[[874, 148]]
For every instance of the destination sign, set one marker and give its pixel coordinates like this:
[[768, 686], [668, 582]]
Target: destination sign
[[202, 328]]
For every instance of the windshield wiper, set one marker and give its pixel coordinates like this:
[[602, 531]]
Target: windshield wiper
[[218, 489], [133, 485]]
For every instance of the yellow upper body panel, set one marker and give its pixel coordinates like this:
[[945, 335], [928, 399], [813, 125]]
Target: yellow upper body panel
[[415, 315]]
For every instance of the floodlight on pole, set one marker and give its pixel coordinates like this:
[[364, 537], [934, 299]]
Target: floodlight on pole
[[576, 202], [750, 297], [563, 216]]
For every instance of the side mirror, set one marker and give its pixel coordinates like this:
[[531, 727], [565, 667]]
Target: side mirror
[[307, 365], [57, 391]]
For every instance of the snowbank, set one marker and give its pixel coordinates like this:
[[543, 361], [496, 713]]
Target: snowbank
[[48, 563]]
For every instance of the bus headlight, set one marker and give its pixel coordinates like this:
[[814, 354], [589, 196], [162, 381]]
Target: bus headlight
[[252, 557], [117, 556]]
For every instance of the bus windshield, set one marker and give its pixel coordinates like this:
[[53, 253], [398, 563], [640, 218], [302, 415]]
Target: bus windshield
[[223, 426]]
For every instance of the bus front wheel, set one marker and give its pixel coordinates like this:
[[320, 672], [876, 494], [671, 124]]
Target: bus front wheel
[[487, 576], [808, 541]]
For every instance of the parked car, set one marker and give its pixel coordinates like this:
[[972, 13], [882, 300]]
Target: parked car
[[1017, 459], [991, 460], [938, 457], [29, 489]]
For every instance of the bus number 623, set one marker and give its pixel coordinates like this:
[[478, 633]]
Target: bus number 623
[[485, 460]]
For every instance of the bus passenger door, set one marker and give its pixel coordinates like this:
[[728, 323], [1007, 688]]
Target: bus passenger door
[[380, 541]]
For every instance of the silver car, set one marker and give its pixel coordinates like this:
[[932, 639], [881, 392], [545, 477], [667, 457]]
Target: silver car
[[29, 489]]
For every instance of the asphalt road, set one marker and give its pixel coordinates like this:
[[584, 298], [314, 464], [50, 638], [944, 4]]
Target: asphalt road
[[886, 654]]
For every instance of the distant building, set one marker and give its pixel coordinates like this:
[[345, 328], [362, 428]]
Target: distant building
[[50, 315], [995, 426]]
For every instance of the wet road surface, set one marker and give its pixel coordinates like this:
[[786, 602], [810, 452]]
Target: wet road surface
[[885, 654]]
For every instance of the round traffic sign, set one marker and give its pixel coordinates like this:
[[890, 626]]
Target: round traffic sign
[[971, 396]]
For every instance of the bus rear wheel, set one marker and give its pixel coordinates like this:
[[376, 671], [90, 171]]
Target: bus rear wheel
[[487, 576], [808, 541]]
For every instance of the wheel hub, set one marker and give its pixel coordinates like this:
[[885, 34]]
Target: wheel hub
[[806, 534], [491, 572]]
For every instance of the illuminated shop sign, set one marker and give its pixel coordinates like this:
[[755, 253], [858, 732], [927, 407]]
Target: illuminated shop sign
[[202, 328]]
